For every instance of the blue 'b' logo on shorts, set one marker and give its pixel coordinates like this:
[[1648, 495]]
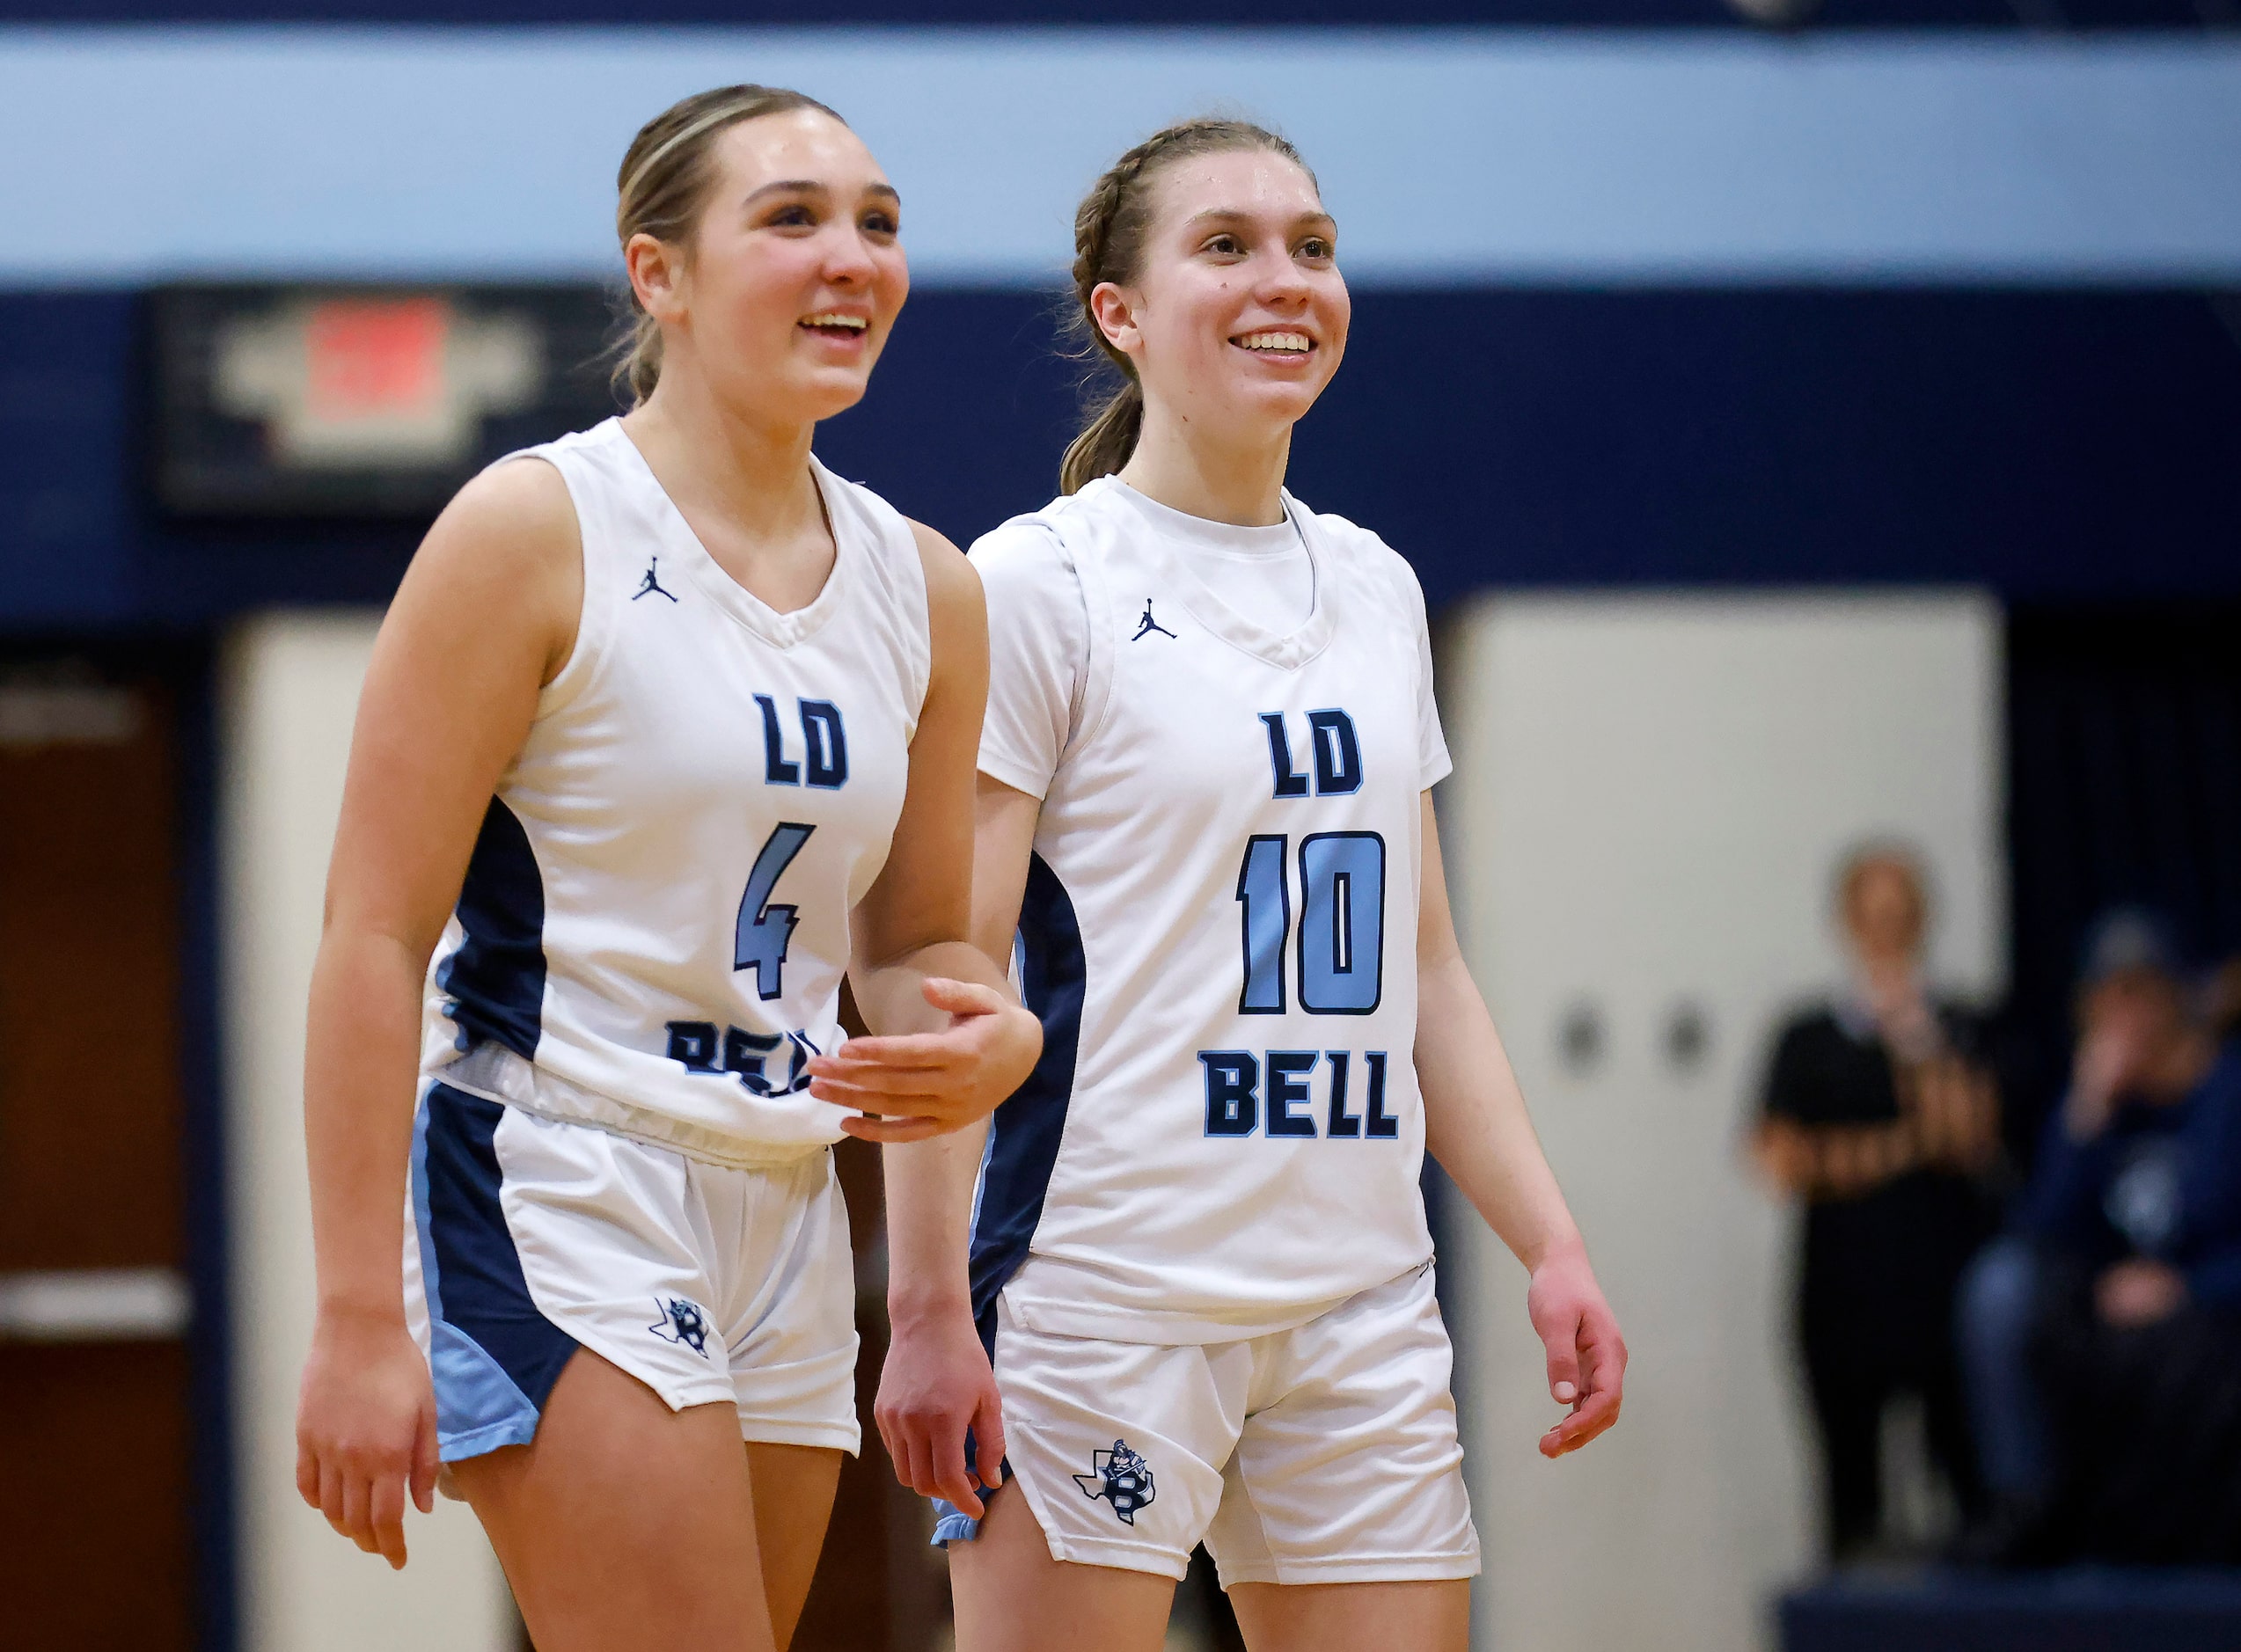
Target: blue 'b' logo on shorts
[[1122, 1478], [682, 1321]]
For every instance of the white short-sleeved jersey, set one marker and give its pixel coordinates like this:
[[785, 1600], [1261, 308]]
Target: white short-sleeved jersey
[[1224, 1134], [655, 922]]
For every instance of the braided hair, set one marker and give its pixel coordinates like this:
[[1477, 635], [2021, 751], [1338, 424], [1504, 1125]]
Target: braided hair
[[1109, 229], [660, 189]]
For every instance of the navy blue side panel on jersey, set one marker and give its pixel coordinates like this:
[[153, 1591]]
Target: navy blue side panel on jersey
[[495, 1357], [1024, 1132], [496, 978]]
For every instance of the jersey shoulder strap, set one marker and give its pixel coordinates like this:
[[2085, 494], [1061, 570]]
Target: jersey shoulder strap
[[896, 571], [609, 486], [1079, 532], [1356, 552]]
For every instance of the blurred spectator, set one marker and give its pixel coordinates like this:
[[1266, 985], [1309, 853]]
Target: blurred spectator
[[1878, 1116], [2103, 1337], [2222, 999]]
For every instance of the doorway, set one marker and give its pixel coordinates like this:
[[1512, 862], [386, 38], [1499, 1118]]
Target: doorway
[[97, 1411]]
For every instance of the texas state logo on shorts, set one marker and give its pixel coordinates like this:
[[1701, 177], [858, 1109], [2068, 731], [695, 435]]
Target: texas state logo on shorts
[[684, 1322], [1122, 1478]]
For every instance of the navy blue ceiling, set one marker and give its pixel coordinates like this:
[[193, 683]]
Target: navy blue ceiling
[[2047, 445], [1385, 13]]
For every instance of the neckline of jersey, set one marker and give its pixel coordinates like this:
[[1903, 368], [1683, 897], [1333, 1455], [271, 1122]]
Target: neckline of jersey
[[1219, 538], [1287, 650], [779, 630]]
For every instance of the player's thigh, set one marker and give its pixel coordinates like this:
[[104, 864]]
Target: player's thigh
[[1424, 1615], [1012, 1596], [793, 1489], [625, 1525]]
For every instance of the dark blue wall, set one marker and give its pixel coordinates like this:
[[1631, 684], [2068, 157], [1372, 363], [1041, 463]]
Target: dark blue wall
[[2049, 445]]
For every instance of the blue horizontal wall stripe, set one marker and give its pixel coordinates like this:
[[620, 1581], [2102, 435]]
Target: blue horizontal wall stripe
[[1452, 156], [2050, 445]]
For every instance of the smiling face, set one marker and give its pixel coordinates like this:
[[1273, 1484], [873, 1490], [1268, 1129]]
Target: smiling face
[[784, 296], [1236, 317]]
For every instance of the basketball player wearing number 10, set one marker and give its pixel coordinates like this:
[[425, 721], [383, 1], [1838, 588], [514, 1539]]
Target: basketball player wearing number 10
[[1198, 1258]]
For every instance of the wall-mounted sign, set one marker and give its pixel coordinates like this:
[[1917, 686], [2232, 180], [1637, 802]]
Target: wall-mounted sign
[[362, 401]]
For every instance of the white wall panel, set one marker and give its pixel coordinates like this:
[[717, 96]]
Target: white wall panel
[[1652, 792], [290, 691]]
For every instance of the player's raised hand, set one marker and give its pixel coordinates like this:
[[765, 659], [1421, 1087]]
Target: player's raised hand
[[1587, 1353], [936, 1385], [915, 1084], [365, 1431]]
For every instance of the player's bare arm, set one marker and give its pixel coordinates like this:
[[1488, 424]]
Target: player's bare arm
[[936, 1383], [1477, 1126], [486, 616], [948, 1042]]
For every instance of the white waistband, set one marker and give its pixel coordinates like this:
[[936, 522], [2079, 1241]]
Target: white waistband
[[498, 1074]]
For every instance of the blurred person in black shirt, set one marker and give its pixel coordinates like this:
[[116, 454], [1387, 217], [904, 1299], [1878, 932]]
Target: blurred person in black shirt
[[2222, 1000], [1879, 1115], [2102, 1336]]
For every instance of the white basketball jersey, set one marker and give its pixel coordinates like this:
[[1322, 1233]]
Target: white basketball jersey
[[1224, 1134], [655, 924]]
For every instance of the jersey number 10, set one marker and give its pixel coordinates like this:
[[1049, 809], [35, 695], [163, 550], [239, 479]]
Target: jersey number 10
[[1342, 922]]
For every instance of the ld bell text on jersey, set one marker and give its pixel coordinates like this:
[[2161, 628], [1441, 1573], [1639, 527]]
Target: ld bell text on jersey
[[1333, 957]]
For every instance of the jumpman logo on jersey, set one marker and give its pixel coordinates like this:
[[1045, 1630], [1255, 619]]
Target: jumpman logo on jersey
[[651, 586], [1149, 625]]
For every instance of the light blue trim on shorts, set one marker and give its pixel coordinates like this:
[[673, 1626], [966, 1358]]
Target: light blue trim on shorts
[[478, 1407], [953, 1524]]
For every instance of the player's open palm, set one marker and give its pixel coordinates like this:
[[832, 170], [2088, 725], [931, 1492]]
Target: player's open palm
[[916, 1084], [937, 1385], [1587, 1353], [365, 1431]]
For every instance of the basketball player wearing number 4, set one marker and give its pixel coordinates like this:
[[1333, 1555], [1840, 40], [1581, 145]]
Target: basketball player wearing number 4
[[674, 728], [1197, 1254]]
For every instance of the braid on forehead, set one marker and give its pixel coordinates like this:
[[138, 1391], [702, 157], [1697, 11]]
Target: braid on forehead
[[1095, 222], [1109, 230]]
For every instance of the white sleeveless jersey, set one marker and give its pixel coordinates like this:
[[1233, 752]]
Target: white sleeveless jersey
[[654, 923], [1224, 1134]]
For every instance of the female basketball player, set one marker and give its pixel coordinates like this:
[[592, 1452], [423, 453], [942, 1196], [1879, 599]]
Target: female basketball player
[[678, 728], [1198, 1256]]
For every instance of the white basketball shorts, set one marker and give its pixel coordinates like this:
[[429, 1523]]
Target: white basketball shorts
[[1322, 1454], [532, 1237]]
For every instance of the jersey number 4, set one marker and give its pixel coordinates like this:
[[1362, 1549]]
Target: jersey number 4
[[766, 930], [1342, 923]]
